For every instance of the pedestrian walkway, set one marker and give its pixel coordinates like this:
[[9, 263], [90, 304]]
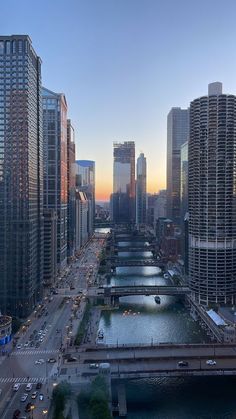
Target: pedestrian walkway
[[22, 380], [35, 352]]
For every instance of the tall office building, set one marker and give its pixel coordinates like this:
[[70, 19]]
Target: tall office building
[[86, 172], [177, 134], [70, 189], [141, 190], [21, 156], [123, 197], [55, 166], [212, 204]]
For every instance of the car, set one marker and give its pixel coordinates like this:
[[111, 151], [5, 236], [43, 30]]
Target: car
[[29, 407], [211, 362], [16, 387], [16, 414], [38, 386], [19, 346], [93, 366], [26, 344], [24, 397], [29, 387], [39, 361], [41, 397], [37, 345], [182, 364], [34, 395], [51, 360], [71, 359]]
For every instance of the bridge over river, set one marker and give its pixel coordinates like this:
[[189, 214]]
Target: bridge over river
[[121, 262], [124, 291], [133, 361]]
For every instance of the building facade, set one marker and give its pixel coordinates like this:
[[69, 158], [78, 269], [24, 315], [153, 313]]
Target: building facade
[[21, 169], [86, 172], [177, 134], [123, 197], [141, 190], [55, 166], [212, 203], [70, 189]]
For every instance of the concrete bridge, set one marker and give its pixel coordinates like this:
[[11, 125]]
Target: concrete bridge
[[135, 362], [131, 248], [124, 291], [121, 262]]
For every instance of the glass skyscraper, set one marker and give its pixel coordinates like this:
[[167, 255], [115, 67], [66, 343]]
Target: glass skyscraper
[[86, 173], [21, 176], [177, 134], [141, 190], [123, 197], [55, 166]]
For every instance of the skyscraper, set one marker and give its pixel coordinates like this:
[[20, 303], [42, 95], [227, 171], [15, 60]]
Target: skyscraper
[[55, 166], [70, 189], [212, 204], [123, 197], [141, 190], [177, 134], [21, 187], [86, 172]]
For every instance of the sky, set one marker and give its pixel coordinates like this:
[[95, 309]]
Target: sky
[[123, 64]]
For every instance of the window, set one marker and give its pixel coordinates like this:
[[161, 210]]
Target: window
[[1, 47]]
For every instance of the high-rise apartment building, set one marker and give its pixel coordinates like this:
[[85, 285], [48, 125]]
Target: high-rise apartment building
[[21, 186], [86, 173], [177, 134], [70, 189], [183, 180], [55, 166], [141, 190], [123, 197], [212, 204]]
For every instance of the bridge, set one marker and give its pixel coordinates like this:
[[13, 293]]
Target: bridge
[[133, 361], [121, 262], [125, 291], [130, 248]]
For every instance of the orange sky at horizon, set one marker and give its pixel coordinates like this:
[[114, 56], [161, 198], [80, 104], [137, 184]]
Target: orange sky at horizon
[[104, 189]]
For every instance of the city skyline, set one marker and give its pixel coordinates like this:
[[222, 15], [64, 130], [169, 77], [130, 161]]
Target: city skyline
[[115, 95]]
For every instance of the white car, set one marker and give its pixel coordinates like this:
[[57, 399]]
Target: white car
[[16, 387], [210, 362], [39, 361], [24, 397], [29, 387], [19, 346], [26, 344]]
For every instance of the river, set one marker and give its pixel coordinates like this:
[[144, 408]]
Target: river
[[140, 320]]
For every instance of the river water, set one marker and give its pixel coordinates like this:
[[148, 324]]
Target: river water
[[140, 320]]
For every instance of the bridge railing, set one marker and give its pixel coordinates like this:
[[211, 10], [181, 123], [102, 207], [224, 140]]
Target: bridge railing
[[153, 343]]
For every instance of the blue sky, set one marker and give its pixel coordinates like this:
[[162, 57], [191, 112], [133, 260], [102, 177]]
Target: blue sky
[[123, 64]]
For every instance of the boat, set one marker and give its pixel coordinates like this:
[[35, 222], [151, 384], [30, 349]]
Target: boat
[[157, 299]]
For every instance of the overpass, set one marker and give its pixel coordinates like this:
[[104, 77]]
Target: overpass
[[124, 291]]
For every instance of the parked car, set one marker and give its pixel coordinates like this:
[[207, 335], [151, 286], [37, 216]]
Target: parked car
[[16, 387]]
